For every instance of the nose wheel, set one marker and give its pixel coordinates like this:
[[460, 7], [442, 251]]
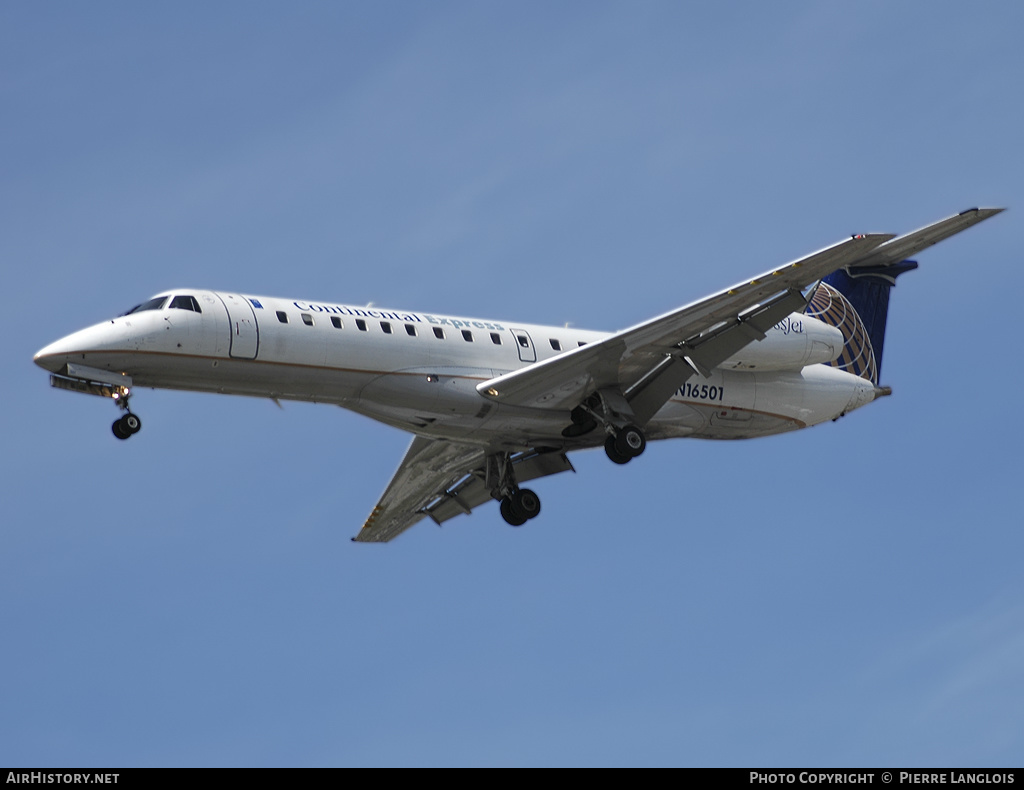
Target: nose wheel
[[126, 426], [129, 423]]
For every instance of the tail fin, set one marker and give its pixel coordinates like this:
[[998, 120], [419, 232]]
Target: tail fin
[[856, 301]]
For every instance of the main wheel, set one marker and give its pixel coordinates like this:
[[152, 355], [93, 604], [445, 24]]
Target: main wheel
[[612, 451], [525, 503], [120, 429], [131, 423], [510, 517], [630, 441]]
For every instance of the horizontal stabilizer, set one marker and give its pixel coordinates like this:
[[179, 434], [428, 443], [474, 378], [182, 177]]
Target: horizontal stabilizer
[[910, 244]]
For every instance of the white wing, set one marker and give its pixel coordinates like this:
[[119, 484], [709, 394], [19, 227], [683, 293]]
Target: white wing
[[443, 479], [649, 361]]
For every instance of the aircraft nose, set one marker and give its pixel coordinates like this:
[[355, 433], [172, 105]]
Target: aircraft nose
[[52, 357]]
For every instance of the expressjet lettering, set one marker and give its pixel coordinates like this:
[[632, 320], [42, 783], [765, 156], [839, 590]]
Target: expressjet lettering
[[459, 323], [790, 325]]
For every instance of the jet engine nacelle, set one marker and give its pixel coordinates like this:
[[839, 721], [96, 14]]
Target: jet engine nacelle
[[796, 341]]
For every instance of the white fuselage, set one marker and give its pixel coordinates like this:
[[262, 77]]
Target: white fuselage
[[419, 371]]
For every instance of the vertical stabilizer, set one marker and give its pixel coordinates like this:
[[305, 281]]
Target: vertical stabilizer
[[856, 301]]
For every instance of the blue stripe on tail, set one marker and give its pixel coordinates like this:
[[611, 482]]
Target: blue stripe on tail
[[857, 303]]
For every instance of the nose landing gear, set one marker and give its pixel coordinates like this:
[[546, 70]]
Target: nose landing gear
[[126, 426], [129, 423]]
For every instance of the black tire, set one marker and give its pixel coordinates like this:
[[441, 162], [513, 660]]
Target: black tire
[[120, 431], [132, 423], [525, 504], [612, 452], [631, 441], [510, 518]]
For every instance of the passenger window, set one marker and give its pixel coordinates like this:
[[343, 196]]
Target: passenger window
[[581, 344], [386, 327], [336, 321], [410, 330], [467, 335], [307, 319], [360, 325], [496, 338], [524, 341], [185, 303], [282, 316], [438, 333], [557, 346]]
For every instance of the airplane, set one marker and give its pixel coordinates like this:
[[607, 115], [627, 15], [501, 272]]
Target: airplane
[[495, 404]]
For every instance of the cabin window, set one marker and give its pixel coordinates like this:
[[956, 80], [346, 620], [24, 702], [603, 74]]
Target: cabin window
[[556, 345], [581, 344], [524, 341], [307, 319], [152, 304], [185, 303], [282, 316], [410, 330], [360, 325], [386, 327], [438, 333], [467, 335], [337, 322], [496, 338]]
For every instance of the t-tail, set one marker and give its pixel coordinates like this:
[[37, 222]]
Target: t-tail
[[855, 299], [857, 304]]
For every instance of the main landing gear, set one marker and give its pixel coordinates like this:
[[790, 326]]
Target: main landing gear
[[625, 445], [518, 505], [128, 424], [608, 408]]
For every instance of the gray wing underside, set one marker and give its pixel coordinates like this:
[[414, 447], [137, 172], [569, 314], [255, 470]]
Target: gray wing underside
[[443, 479], [649, 361]]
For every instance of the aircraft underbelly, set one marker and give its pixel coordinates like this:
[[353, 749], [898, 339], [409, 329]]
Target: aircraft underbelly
[[229, 376]]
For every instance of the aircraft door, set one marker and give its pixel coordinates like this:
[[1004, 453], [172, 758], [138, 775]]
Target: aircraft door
[[245, 335], [523, 341]]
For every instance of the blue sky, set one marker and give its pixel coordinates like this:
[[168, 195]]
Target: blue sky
[[846, 595]]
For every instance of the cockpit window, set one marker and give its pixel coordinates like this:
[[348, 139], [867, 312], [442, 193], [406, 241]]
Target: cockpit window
[[156, 303], [185, 303]]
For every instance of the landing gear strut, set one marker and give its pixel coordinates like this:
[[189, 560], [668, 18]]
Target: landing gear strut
[[518, 505], [128, 424], [609, 408]]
